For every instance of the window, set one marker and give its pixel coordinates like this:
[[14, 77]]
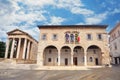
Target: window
[[115, 46], [49, 60], [67, 37], [89, 36], [99, 36], [76, 37], [75, 51], [114, 35], [54, 37], [71, 37], [50, 51], [118, 32], [94, 51], [44, 37], [66, 50], [91, 60], [57, 59], [83, 59]]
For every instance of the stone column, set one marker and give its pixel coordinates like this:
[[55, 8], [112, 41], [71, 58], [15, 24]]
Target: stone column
[[18, 48], [12, 49], [58, 57], [28, 49], [29, 57], [85, 59], [7, 48], [72, 58], [24, 48]]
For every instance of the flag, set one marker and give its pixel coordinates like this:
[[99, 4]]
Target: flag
[[78, 39]]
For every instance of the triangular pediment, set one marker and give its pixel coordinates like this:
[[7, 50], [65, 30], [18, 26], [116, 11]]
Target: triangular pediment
[[16, 31]]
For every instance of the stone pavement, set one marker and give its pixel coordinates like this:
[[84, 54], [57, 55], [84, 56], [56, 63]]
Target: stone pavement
[[37, 67], [108, 73]]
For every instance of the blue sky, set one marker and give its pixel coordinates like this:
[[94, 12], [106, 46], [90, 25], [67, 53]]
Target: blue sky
[[27, 14]]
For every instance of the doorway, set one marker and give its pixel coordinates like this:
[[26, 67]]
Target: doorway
[[116, 62], [96, 61], [66, 61], [75, 61]]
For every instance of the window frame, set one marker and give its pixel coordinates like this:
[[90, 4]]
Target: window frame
[[49, 59], [115, 46], [45, 36], [89, 36], [99, 36], [91, 59], [53, 36]]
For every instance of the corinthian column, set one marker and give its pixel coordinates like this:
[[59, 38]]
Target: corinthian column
[[7, 48], [28, 49], [24, 48], [12, 49], [18, 49]]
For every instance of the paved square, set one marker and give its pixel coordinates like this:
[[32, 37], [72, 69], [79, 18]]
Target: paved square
[[92, 74]]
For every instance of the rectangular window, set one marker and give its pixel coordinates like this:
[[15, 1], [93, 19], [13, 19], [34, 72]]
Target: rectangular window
[[118, 32], [94, 51], [54, 37], [89, 36], [75, 50], [50, 51], [83, 59], [44, 36], [66, 50], [57, 59], [49, 60], [115, 46], [91, 59], [99, 36]]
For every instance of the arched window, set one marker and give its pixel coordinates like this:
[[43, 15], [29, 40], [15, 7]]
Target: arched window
[[76, 37], [91, 59], [67, 37], [71, 37]]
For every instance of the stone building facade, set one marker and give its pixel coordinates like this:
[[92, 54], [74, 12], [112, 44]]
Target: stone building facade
[[79, 45], [115, 44], [21, 47]]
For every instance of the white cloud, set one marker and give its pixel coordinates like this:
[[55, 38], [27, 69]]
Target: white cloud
[[56, 20], [38, 2], [98, 18], [80, 23], [68, 4], [83, 11], [75, 7], [13, 14], [115, 11]]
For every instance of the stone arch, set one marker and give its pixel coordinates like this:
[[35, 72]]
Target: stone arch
[[78, 55], [94, 52], [50, 55], [65, 56]]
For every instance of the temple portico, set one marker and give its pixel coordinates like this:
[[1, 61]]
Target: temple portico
[[20, 46]]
